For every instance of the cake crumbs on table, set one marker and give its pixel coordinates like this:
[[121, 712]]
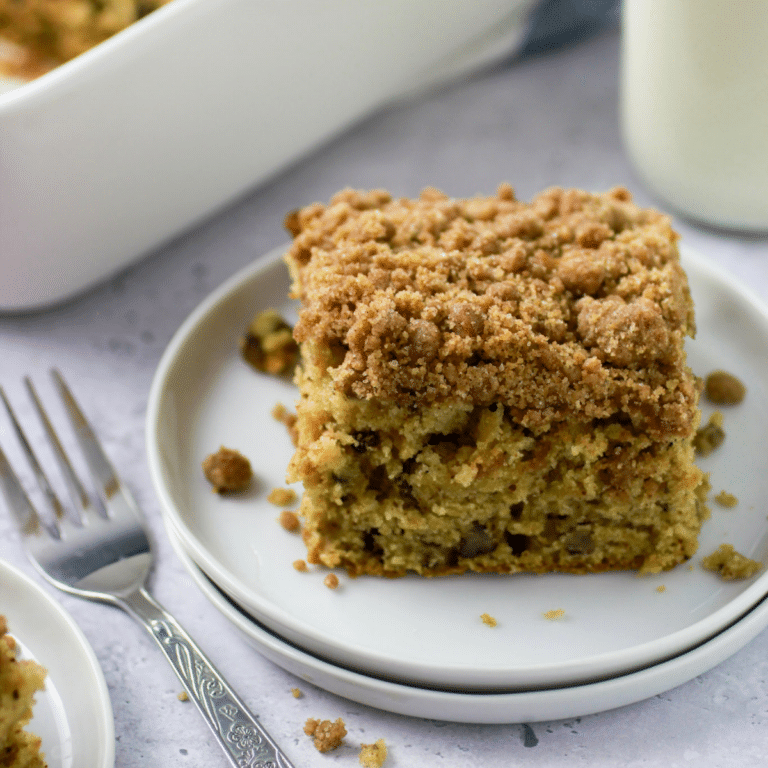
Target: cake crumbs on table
[[282, 497], [326, 735], [488, 620], [727, 500], [300, 565], [289, 520], [373, 755], [554, 615]]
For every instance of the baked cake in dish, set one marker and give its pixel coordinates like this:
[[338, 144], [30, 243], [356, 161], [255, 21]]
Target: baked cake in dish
[[54, 31], [493, 385], [19, 681]]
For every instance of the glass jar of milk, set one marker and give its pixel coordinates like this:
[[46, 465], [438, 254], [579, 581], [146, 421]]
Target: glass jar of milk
[[694, 106]]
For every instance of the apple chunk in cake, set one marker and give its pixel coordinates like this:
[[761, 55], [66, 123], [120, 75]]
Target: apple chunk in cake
[[493, 385]]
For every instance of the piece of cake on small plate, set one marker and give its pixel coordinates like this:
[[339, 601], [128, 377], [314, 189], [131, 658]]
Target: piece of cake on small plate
[[493, 385], [19, 681]]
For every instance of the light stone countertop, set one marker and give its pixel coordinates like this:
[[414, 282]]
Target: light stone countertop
[[549, 120]]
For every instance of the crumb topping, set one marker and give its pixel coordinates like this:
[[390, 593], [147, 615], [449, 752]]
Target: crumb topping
[[572, 304]]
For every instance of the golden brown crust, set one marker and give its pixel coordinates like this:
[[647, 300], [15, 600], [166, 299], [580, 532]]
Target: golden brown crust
[[574, 305]]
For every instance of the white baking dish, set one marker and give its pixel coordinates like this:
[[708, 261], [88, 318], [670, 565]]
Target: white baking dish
[[111, 154]]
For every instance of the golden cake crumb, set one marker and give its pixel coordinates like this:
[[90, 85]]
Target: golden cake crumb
[[289, 520], [284, 416], [725, 499], [300, 565], [710, 436], [268, 344], [227, 470], [724, 388], [19, 681], [327, 735], [373, 755], [554, 615], [183, 696], [729, 564], [661, 588], [296, 693], [488, 620], [331, 581], [493, 385], [282, 497]]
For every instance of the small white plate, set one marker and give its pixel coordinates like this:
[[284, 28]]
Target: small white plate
[[429, 631], [73, 715], [512, 707]]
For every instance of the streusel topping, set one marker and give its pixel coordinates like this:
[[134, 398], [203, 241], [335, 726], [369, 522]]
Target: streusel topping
[[574, 304]]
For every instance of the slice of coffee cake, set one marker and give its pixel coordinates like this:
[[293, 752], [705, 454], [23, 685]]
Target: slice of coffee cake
[[19, 681], [493, 385]]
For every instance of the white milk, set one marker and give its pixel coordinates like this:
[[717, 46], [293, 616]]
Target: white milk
[[695, 105]]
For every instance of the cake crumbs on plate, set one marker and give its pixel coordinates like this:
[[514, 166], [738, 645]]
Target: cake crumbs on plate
[[289, 520], [227, 470], [326, 735], [282, 497], [300, 565], [727, 500], [729, 564], [284, 416], [724, 388], [183, 696], [268, 344], [373, 755], [331, 581], [296, 693], [488, 620], [709, 436], [661, 588], [555, 614]]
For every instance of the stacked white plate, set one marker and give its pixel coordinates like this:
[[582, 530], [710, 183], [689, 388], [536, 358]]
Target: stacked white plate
[[418, 646]]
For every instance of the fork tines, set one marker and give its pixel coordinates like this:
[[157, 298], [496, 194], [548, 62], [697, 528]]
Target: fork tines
[[27, 515]]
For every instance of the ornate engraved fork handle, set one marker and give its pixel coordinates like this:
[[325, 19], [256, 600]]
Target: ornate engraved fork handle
[[243, 739]]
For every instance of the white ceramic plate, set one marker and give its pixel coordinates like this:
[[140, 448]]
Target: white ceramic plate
[[511, 707], [428, 631], [73, 715]]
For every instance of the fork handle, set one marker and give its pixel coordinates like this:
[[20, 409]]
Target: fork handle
[[240, 735]]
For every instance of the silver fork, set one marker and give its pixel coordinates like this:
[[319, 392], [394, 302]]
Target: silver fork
[[104, 554]]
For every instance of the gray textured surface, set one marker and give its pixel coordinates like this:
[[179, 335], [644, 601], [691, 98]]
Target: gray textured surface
[[548, 120]]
